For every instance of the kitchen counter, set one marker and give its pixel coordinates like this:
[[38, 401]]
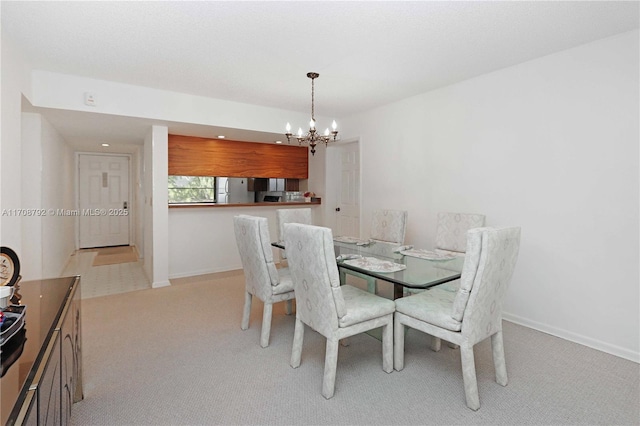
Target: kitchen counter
[[314, 201]]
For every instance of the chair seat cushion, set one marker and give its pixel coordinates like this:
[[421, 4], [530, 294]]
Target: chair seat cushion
[[433, 306], [362, 306], [286, 283]]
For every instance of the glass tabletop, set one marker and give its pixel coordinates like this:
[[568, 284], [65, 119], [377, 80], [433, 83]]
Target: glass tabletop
[[418, 273]]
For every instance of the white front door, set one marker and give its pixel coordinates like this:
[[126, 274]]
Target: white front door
[[348, 205], [103, 200]]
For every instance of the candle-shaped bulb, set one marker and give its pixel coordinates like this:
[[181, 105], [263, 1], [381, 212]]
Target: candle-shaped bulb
[[312, 125], [326, 132], [299, 132], [334, 126], [288, 128]]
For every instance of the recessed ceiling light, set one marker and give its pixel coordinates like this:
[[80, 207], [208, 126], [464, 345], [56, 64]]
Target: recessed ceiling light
[[221, 136], [105, 144], [278, 141]]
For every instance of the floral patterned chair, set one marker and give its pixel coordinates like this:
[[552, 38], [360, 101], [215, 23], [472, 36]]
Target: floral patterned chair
[[334, 311], [472, 314], [387, 227], [291, 216], [262, 279]]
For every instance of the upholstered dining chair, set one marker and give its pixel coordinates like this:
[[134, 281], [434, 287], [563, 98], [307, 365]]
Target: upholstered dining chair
[[387, 226], [451, 239], [334, 311], [451, 231], [262, 279], [472, 314], [291, 216]]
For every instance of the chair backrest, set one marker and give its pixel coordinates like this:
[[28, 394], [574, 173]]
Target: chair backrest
[[451, 230], [256, 253], [312, 262], [291, 216], [491, 257], [389, 225]]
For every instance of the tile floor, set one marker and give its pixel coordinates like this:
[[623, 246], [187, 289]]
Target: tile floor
[[106, 279]]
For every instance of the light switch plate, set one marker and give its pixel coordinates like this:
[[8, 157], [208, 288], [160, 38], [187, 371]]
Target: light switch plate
[[90, 98]]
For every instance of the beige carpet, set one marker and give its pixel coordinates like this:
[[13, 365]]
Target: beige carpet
[[176, 356], [114, 255]]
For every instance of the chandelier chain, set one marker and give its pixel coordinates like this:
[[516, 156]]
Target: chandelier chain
[[313, 116]]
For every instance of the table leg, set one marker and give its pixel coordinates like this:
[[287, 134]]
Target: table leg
[[398, 291]]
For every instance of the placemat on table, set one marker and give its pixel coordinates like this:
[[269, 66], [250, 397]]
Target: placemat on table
[[375, 265], [427, 254], [350, 240]]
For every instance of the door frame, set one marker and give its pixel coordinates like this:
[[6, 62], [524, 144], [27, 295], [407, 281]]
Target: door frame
[[132, 195], [333, 181]]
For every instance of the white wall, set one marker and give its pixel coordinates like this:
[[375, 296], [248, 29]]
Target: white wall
[[137, 210], [31, 195], [209, 234], [14, 81], [48, 237], [46, 186], [202, 241], [28, 181], [551, 145], [147, 215], [54, 90], [58, 193], [159, 205]]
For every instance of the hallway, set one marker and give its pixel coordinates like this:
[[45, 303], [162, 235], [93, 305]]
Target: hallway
[[105, 279]]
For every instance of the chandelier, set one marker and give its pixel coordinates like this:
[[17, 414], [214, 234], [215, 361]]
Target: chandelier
[[313, 137]]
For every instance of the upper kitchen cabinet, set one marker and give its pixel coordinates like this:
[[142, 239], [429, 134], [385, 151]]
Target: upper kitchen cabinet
[[192, 156]]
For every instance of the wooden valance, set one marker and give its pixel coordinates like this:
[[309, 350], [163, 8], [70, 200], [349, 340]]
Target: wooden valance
[[194, 156]]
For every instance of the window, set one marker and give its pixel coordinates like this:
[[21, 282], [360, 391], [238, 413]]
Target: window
[[192, 189]]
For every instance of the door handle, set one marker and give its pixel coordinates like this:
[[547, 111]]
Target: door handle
[[124, 205], [337, 209]]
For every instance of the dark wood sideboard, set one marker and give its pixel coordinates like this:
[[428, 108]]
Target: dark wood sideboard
[[42, 376]]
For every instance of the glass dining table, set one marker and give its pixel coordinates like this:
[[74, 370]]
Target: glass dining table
[[404, 269]]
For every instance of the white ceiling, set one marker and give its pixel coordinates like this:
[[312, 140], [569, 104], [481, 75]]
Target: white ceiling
[[367, 53]]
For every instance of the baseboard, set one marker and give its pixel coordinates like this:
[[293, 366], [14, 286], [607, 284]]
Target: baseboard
[[158, 284], [204, 272], [574, 337]]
